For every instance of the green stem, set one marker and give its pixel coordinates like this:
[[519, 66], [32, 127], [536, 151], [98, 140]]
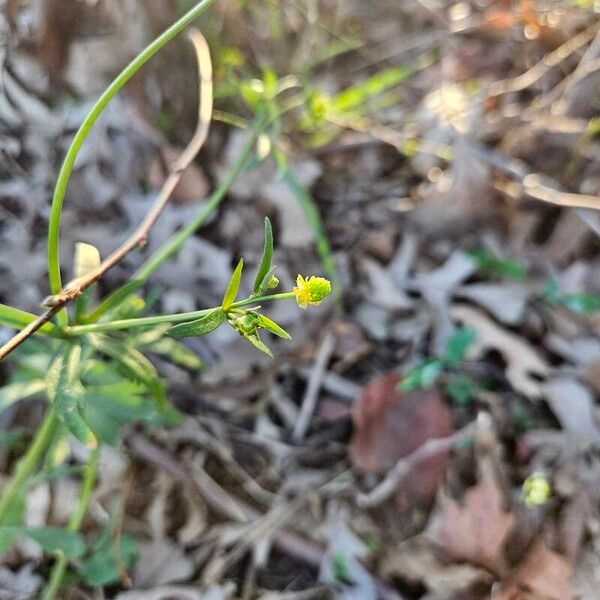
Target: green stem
[[84, 129], [176, 318], [87, 486], [176, 242], [29, 462]]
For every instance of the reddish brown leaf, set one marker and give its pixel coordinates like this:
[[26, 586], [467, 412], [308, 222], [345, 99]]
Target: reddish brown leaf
[[390, 425], [477, 531], [544, 575]]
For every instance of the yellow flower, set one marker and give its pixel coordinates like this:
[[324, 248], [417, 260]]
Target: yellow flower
[[311, 291], [536, 489]]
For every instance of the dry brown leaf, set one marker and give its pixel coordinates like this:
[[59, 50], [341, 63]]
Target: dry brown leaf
[[416, 562], [543, 575], [522, 361], [390, 425], [161, 562], [476, 531], [573, 524]]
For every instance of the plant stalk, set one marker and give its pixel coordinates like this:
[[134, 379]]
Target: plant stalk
[[176, 242], [29, 462], [83, 131], [78, 330], [87, 486]]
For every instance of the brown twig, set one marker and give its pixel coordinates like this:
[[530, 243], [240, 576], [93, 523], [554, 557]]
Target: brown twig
[[309, 402], [76, 287], [551, 60], [405, 465]]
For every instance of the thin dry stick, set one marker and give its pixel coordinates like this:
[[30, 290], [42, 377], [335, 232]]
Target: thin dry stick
[[534, 187], [76, 287], [404, 466], [309, 402], [549, 61]]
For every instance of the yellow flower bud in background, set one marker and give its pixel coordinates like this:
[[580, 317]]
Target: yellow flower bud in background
[[311, 291], [536, 489]]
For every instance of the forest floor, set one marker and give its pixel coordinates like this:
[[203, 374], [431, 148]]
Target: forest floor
[[432, 431]]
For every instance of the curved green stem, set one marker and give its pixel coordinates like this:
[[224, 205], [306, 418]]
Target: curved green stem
[[29, 462], [67, 166], [158, 320], [87, 486]]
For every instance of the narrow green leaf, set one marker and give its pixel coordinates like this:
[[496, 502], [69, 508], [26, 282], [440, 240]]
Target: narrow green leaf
[[233, 287], [59, 449], [273, 327], [458, 345], [422, 376], [178, 353], [105, 427], [356, 95], [265, 286], [487, 261], [127, 408], [200, 327], [103, 567], [114, 300], [13, 517], [19, 319], [133, 362], [309, 208], [462, 389], [65, 391], [51, 539], [267, 257], [258, 344], [20, 390], [583, 303]]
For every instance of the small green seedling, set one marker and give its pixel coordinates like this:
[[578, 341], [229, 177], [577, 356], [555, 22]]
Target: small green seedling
[[461, 388]]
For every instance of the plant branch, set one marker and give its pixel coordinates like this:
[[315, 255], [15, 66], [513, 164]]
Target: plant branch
[[171, 247], [28, 463], [87, 486], [84, 129], [77, 330], [75, 288]]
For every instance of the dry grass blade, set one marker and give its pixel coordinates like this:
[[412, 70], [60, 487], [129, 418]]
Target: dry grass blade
[[533, 187], [309, 402], [76, 287], [549, 61]]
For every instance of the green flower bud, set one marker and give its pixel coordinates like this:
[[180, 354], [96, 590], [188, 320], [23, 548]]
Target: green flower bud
[[246, 324]]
